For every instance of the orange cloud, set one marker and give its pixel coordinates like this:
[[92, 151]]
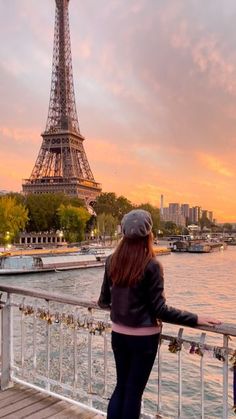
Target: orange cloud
[[215, 164], [13, 168]]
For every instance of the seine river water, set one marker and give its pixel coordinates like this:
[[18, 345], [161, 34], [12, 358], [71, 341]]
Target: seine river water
[[202, 283]]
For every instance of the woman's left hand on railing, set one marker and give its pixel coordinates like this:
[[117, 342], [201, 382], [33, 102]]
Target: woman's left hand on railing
[[207, 321]]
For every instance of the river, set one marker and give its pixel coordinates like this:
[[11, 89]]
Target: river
[[202, 283]]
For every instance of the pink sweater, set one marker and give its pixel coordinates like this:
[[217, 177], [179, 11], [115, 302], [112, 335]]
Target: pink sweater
[[136, 331]]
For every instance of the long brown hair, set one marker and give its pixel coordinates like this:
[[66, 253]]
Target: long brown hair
[[129, 260]]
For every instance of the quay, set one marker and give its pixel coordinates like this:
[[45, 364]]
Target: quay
[[56, 361], [159, 250]]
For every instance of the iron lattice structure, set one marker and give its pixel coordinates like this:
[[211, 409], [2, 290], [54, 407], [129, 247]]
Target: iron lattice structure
[[62, 164]]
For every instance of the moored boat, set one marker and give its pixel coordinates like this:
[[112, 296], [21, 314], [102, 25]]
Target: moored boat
[[201, 247], [206, 247], [16, 265], [231, 241], [179, 246]]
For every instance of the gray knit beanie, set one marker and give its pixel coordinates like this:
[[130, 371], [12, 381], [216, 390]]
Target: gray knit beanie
[[137, 223]]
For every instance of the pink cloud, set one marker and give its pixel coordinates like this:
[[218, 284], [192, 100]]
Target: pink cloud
[[20, 135], [181, 38], [209, 58]]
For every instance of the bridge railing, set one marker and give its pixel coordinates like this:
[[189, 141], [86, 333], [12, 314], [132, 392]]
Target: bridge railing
[[61, 346]]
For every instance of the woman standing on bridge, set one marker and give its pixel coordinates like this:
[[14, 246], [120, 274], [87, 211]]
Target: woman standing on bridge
[[133, 288]]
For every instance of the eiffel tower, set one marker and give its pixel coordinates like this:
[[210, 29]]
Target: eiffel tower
[[62, 164]]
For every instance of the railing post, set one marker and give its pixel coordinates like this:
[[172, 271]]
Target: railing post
[[225, 376], [48, 354], [6, 344], [159, 381], [180, 334], [202, 341]]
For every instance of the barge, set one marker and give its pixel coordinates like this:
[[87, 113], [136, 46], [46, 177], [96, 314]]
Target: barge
[[197, 246], [17, 265]]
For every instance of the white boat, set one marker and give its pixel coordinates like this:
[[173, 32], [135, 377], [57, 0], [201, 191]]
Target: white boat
[[206, 247], [13, 265]]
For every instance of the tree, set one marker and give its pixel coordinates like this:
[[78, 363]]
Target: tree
[[101, 229], [109, 203], [13, 218], [43, 208], [105, 203], [227, 227], [19, 198], [123, 205], [205, 222], [185, 231], [75, 202], [73, 222], [106, 225], [171, 228]]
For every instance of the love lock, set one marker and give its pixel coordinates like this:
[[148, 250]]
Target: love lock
[[174, 346]]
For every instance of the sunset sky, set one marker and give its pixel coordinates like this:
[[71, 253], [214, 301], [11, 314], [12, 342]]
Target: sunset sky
[[155, 85]]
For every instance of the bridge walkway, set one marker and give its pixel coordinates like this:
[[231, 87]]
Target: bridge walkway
[[21, 402]]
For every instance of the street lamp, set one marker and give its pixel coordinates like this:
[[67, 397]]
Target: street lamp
[[7, 238]]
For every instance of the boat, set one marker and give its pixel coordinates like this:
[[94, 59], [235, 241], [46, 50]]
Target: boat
[[231, 241], [206, 247], [197, 246], [13, 265], [16, 265], [179, 246], [202, 247], [74, 261]]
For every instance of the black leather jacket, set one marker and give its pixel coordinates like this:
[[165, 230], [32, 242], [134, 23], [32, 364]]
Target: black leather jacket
[[144, 303]]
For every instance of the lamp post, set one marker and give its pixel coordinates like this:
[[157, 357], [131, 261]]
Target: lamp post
[[6, 239], [60, 235]]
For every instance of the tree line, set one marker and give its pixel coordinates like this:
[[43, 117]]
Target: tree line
[[53, 212], [41, 213]]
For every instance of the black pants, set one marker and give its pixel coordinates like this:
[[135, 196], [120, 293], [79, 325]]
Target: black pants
[[134, 357]]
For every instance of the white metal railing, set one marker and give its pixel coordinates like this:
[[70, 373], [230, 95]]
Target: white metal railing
[[60, 345]]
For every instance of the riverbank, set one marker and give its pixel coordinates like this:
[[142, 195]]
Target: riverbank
[[159, 250]]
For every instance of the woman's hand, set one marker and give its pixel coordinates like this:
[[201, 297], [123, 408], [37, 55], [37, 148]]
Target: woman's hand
[[207, 321]]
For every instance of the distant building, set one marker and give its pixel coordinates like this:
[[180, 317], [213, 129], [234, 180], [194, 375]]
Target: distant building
[[162, 205], [40, 240], [210, 216], [185, 210], [173, 213], [183, 214], [195, 214]]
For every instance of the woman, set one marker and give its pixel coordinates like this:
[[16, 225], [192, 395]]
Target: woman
[[133, 288]]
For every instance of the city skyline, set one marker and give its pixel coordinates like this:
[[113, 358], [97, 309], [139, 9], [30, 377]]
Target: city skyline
[[156, 100], [184, 214]]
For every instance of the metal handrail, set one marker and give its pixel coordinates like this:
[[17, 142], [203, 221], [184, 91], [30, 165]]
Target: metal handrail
[[10, 369], [223, 328]]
